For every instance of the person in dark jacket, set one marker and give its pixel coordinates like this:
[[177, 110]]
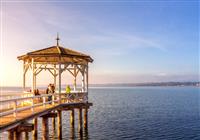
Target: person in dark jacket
[[50, 90]]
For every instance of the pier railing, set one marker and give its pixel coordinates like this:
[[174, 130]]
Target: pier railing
[[29, 103]]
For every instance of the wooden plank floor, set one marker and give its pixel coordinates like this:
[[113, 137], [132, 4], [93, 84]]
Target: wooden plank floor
[[10, 120]]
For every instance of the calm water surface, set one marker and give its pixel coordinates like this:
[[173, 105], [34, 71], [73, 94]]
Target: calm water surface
[[146, 113]]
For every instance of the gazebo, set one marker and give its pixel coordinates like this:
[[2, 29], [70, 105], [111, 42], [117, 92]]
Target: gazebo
[[56, 60]]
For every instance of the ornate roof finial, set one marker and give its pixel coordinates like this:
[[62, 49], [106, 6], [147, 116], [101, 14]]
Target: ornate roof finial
[[57, 39]]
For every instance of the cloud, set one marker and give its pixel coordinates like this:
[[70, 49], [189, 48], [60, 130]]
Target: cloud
[[76, 28], [115, 43], [34, 26]]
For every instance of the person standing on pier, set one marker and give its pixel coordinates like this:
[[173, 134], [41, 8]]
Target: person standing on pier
[[68, 89], [50, 90]]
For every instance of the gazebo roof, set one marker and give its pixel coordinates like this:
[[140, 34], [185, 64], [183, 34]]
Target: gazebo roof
[[56, 54]]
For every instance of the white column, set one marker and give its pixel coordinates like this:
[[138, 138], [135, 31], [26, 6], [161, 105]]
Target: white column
[[87, 82], [59, 82], [32, 64], [34, 81], [75, 74], [54, 75], [24, 75], [87, 76], [83, 78], [59, 76]]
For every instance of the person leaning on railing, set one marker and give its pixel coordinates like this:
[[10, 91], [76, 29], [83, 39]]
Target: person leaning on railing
[[50, 90], [36, 93]]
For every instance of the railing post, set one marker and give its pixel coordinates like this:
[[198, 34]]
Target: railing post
[[15, 109], [86, 94], [44, 101], [9, 106], [84, 97], [60, 100], [53, 99]]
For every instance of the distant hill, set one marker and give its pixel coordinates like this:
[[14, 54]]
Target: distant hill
[[196, 84], [148, 84]]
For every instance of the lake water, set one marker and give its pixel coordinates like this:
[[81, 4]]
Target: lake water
[[146, 113]]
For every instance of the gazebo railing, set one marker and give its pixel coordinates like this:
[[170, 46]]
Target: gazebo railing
[[29, 103], [74, 97]]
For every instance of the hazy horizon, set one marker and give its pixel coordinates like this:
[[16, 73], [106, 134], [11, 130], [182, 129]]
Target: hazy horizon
[[130, 42]]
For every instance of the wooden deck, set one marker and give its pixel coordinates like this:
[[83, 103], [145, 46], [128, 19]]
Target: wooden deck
[[11, 121]]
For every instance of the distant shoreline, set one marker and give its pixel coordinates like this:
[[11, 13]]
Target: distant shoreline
[[156, 84], [150, 84]]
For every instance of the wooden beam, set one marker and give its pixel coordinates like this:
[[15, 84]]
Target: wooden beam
[[77, 106], [25, 127], [54, 123], [26, 67], [59, 124], [45, 128], [63, 106], [35, 131], [26, 135], [45, 68], [50, 115], [72, 118], [79, 68], [38, 68], [11, 135], [85, 118], [71, 72], [65, 67], [80, 125], [38, 72], [72, 133], [18, 135], [77, 72], [50, 71]]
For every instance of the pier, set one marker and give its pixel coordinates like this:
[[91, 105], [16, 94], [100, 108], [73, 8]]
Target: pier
[[20, 115], [15, 121]]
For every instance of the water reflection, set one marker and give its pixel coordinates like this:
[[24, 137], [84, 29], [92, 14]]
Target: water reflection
[[86, 137], [82, 135], [72, 132]]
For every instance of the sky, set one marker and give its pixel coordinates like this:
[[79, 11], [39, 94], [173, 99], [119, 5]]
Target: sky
[[130, 41]]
